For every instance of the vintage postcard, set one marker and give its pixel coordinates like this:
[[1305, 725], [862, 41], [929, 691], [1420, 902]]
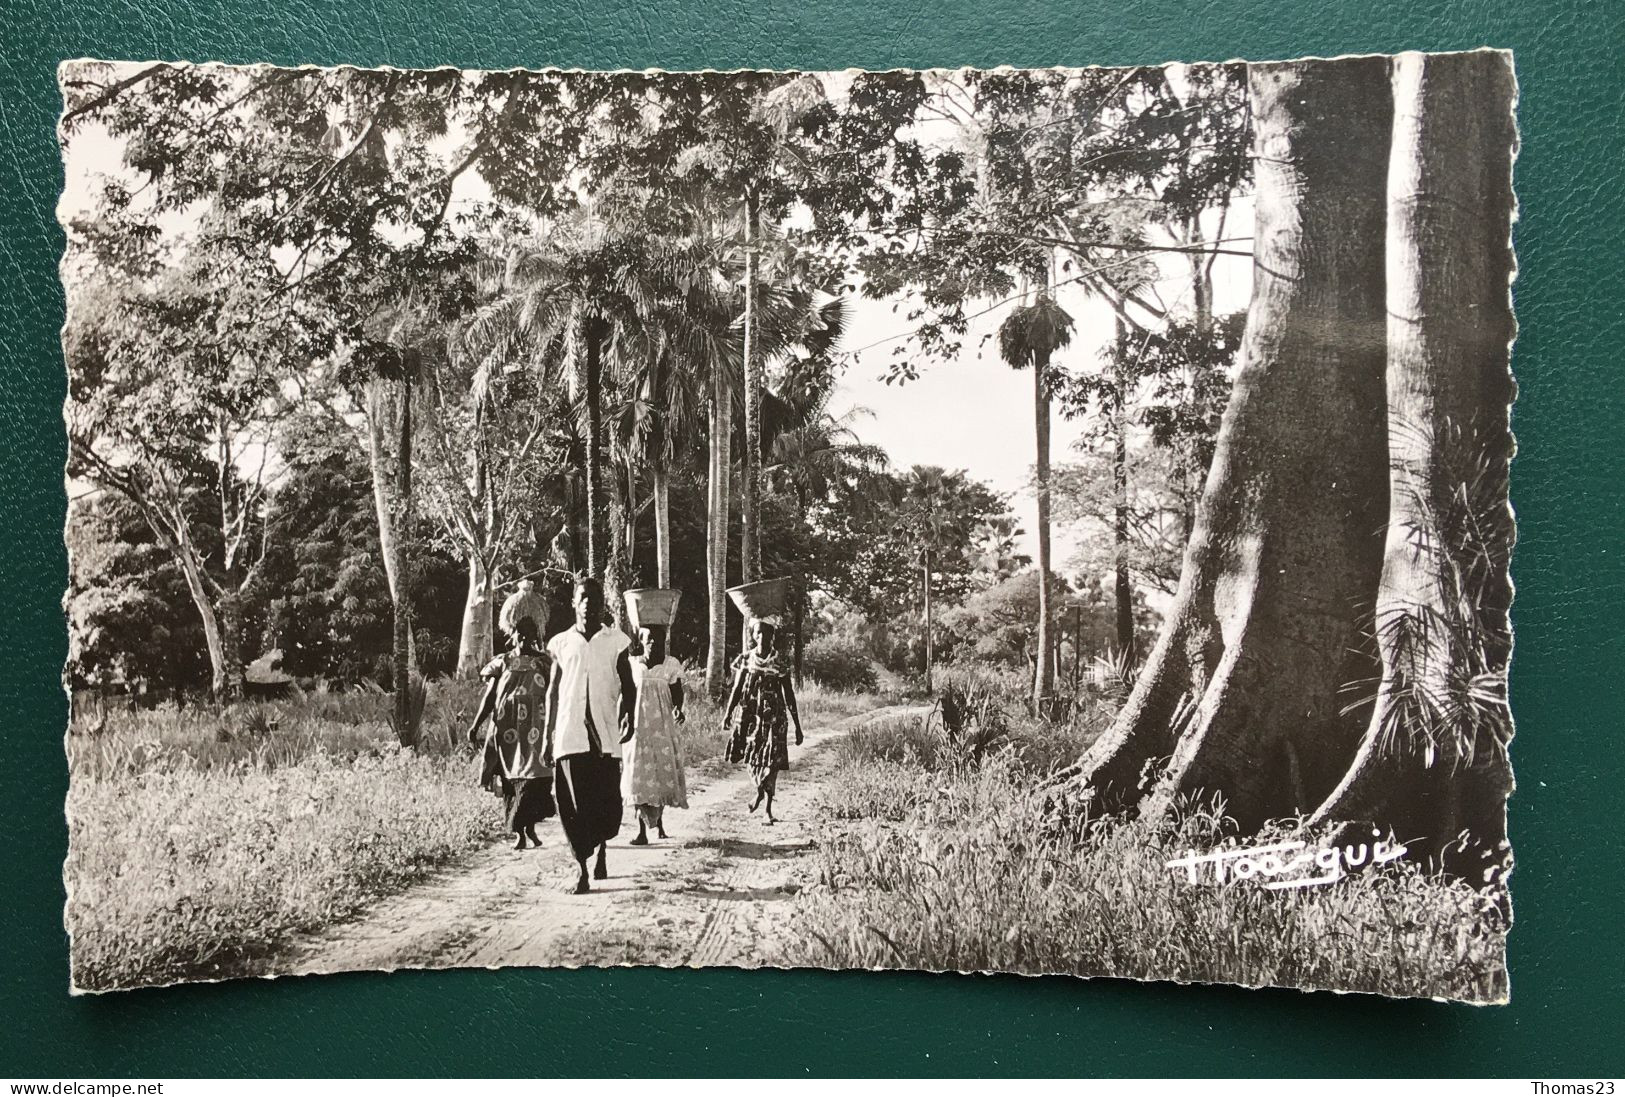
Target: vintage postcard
[[1044, 521]]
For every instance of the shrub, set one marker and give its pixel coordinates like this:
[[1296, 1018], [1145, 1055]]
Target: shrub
[[840, 664]]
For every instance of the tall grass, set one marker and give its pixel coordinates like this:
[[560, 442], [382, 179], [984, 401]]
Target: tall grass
[[200, 838], [187, 873], [928, 865]]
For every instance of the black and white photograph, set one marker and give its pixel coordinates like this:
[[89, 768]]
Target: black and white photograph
[[1049, 521]]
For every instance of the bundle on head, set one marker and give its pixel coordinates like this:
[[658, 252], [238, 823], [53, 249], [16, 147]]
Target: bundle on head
[[523, 605]]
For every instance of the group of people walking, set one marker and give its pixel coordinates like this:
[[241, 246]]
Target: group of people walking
[[587, 722]]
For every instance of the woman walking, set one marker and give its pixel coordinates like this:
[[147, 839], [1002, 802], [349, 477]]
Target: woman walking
[[652, 769], [589, 717], [514, 767], [762, 693]]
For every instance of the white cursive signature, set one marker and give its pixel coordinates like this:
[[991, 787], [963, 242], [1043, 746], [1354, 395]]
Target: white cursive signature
[[1292, 861]]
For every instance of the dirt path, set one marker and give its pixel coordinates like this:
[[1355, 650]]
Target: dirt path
[[709, 895]]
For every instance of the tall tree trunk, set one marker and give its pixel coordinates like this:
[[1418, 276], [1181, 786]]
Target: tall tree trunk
[[379, 416], [618, 566], [659, 473], [1044, 671], [630, 522], [476, 644], [476, 640], [662, 504], [750, 473], [1191, 471], [597, 518], [225, 667], [1274, 598], [405, 723], [926, 568], [800, 620], [720, 414], [1123, 593], [1442, 604]]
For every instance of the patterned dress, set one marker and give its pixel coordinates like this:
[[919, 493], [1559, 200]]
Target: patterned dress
[[513, 766], [761, 737], [652, 772]]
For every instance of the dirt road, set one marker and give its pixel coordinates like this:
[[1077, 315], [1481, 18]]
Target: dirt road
[[716, 892]]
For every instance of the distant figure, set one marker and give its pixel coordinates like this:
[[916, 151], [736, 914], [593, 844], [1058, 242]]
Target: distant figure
[[652, 777], [589, 716], [763, 694], [514, 765]]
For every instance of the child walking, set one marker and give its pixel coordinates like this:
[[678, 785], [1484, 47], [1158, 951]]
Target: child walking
[[652, 774]]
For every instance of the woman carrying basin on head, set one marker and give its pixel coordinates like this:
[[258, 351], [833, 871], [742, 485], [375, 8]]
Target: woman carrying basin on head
[[762, 692]]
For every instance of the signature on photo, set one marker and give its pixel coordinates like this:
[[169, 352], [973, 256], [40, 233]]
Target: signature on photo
[[1282, 865]]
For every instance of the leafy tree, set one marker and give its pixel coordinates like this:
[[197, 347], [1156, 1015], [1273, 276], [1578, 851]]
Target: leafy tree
[[329, 612], [130, 622], [879, 540], [169, 388]]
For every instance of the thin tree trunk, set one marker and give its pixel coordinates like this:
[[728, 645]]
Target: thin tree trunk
[[631, 520], [926, 568], [659, 473], [750, 494], [716, 543], [662, 489], [476, 640], [1044, 674], [618, 566], [597, 556], [1449, 324], [1243, 689], [1123, 592], [226, 673], [405, 724], [801, 607], [378, 415]]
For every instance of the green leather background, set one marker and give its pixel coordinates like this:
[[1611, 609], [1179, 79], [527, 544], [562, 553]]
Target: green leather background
[[1566, 956]]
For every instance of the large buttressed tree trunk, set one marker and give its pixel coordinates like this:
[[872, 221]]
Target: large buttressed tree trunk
[[1242, 697], [1433, 764]]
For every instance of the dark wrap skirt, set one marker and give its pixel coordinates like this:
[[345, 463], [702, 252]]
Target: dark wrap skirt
[[587, 788]]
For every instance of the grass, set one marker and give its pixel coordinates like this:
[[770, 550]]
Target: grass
[[941, 866], [201, 839]]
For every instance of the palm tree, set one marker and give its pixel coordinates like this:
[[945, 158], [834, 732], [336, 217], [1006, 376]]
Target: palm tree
[[811, 449], [613, 300], [1028, 337]]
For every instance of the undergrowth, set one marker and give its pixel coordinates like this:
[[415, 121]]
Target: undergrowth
[[932, 863]]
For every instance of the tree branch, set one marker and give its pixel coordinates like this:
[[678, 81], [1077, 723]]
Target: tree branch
[[112, 93]]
